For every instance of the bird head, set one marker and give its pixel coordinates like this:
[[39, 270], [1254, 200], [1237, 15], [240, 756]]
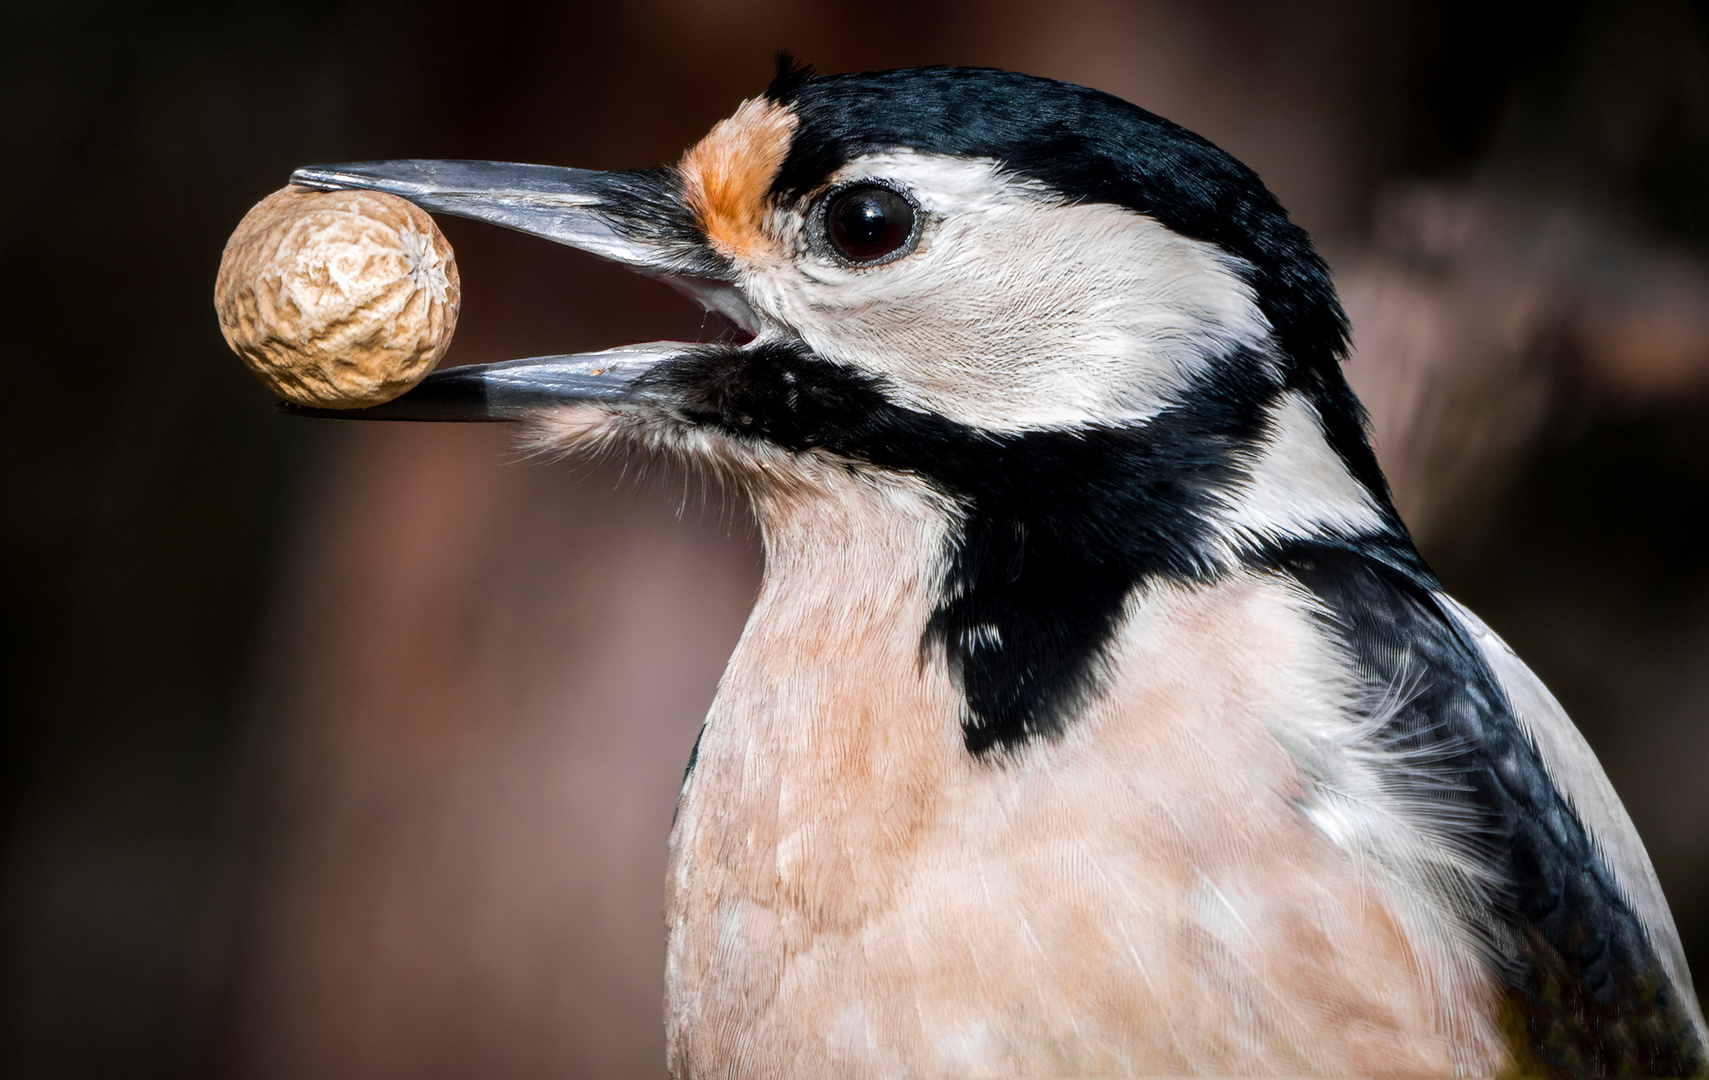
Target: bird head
[[1093, 337]]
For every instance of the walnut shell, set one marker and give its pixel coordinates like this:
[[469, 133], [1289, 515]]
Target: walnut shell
[[338, 299]]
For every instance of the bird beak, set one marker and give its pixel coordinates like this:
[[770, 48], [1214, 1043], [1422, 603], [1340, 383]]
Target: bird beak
[[636, 218]]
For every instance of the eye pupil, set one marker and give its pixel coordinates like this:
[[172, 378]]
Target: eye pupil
[[867, 223]]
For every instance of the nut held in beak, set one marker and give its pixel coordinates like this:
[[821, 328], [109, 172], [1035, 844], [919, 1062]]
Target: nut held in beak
[[338, 299]]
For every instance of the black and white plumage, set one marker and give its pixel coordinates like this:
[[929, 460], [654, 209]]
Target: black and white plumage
[[1097, 715]]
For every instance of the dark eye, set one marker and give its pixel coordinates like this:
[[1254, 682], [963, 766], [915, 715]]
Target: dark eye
[[868, 222]]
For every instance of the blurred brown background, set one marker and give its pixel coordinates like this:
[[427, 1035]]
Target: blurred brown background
[[350, 751]]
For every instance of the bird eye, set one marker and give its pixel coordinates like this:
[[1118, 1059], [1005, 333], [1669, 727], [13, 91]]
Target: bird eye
[[869, 222]]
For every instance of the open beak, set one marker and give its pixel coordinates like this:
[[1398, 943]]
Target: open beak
[[636, 218]]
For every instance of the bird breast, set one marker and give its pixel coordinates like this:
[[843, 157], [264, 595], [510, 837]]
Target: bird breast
[[852, 893]]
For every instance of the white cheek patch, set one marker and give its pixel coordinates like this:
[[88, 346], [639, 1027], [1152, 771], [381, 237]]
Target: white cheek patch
[[1016, 310]]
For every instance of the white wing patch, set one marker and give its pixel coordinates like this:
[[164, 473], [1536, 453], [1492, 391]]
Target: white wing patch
[[1378, 805]]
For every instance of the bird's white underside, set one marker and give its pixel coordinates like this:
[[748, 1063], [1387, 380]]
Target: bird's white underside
[[780, 808], [853, 894]]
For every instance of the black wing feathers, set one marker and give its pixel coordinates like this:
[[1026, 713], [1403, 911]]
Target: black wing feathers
[[1586, 991]]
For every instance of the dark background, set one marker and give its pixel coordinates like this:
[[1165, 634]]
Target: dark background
[[351, 750]]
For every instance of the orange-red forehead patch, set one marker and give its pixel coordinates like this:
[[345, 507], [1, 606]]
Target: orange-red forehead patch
[[726, 175]]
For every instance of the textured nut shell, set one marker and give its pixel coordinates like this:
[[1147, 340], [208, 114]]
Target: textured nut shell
[[338, 299]]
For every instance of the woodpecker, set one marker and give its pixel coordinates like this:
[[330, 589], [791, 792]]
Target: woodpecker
[[1097, 715]]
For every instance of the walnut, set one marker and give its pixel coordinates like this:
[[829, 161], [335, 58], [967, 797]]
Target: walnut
[[337, 299]]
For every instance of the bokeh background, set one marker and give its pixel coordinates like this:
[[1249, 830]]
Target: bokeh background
[[350, 751]]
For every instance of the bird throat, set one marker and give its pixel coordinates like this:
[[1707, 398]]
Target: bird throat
[[1047, 532]]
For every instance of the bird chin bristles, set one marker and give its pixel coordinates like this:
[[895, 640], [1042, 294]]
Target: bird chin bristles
[[649, 444]]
